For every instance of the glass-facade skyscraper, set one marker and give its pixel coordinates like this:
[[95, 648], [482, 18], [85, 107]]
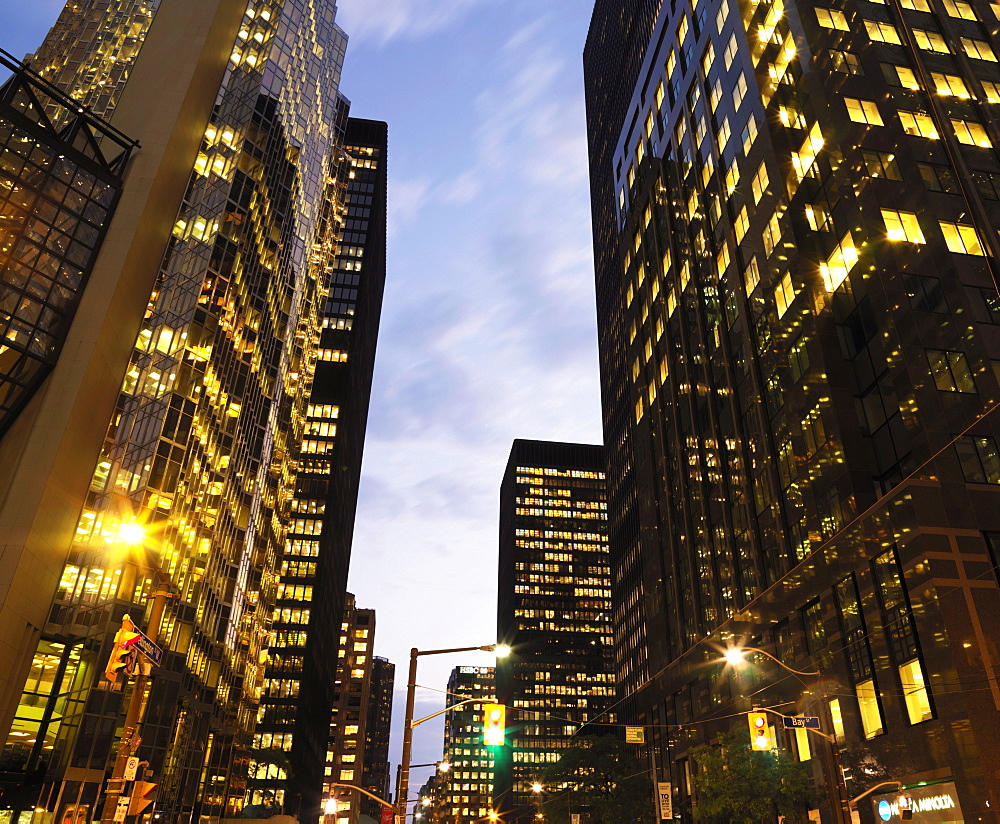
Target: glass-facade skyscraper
[[239, 410], [795, 222], [553, 609]]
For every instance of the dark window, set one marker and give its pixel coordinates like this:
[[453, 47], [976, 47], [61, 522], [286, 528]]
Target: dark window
[[859, 657], [950, 371], [815, 631], [798, 358], [938, 178], [845, 61], [926, 294], [979, 458], [881, 164]]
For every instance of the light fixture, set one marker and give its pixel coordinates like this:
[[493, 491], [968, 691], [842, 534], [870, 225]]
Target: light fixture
[[501, 650]]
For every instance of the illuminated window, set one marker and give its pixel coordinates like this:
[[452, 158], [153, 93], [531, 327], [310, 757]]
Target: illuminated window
[[863, 111], [882, 32], [784, 294], [732, 176], [992, 91], [838, 266], [723, 135], [741, 224], [831, 19], [716, 95], [708, 58], [722, 260], [772, 233], [759, 183], [916, 5], [950, 371], [900, 76], [871, 713], [750, 134], [730, 53], [817, 217], [971, 133], [918, 702], [931, 41], [740, 91], [902, 226], [918, 124], [838, 719], [949, 84], [802, 743], [720, 18], [961, 238], [803, 159], [751, 276], [963, 11], [659, 95], [978, 49]]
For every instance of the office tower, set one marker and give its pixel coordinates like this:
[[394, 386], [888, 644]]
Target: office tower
[[795, 214], [201, 337], [464, 791], [553, 608], [299, 678], [375, 774]]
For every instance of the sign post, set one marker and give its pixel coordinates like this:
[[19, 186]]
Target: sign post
[[665, 797]]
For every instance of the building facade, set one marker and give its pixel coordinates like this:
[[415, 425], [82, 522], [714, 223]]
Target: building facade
[[228, 378], [795, 218], [463, 792], [375, 773], [553, 608]]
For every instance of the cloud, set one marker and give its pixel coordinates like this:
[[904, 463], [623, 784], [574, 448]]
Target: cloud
[[387, 20], [405, 200]]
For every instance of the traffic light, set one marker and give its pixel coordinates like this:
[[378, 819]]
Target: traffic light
[[122, 658], [141, 792], [493, 725], [760, 731]]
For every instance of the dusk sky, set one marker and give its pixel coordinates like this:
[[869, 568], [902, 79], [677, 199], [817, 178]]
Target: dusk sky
[[488, 330]]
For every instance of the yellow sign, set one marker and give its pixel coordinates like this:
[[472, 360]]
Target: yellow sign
[[635, 735]]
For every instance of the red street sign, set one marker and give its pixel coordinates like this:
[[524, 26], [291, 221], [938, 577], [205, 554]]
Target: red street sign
[[387, 815]]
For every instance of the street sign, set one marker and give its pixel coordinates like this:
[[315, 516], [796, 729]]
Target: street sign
[[635, 735], [142, 644], [808, 722], [663, 792], [131, 768], [122, 809]]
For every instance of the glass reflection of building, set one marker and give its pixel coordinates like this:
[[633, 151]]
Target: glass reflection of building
[[795, 217], [554, 609], [211, 444]]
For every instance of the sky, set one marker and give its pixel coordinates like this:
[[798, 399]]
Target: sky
[[488, 325]]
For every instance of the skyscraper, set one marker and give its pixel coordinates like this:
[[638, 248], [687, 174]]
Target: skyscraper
[[231, 395], [378, 727], [553, 607], [464, 791], [795, 215]]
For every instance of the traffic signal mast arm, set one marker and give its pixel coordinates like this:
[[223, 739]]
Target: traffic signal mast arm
[[442, 712]]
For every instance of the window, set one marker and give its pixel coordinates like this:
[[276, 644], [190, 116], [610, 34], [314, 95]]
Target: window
[[772, 233], [749, 134], [978, 49], [961, 238], [882, 32], [740, 91], [814, 431], [881, 164], [963, 11], [723, 134], [817, 217], [902, 226], [950, 371], [918, 702], [708, 58], [901, 76], [845, 61], [916, 5], [798, 358], [751, 276], [759, 183], [931, 41], [742, 223], [863, 111], [802, 743], [992, 91], [979, 459], [985, 304], [837, 717], [716, 95], [871, 713], [925, 293], [949, 84], [784, 294], [918, 124], [720, 18], [730, 53], [831, 19], [937, 178], [971, 133], [815, 631]]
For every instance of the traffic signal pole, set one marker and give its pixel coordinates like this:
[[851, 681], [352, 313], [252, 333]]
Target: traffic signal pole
[[129, 740]]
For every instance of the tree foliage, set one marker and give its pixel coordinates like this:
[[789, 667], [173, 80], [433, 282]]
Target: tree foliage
[[736, 785], [600, 776]]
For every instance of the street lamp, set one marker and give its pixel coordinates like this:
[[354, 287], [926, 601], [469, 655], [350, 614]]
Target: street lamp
[[734, 656], [500, 650]]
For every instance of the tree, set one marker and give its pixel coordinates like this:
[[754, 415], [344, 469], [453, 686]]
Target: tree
[[736, 785], [600, 775]]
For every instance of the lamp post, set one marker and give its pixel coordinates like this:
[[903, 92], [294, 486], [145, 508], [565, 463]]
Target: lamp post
[[841, 810], [501, 650]]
